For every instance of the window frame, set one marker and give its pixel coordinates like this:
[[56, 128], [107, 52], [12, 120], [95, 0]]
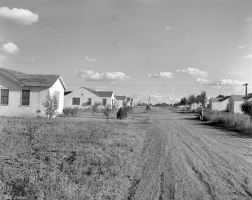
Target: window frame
[[75, 102], [8, 94], [89, 101], [25, 99], [103, 101]]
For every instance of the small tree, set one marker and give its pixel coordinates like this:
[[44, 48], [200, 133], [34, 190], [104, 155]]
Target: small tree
[[107, 111], [94, 107], [202, 98], [246, 108], [51, 105], [183, 101], [191, 99]]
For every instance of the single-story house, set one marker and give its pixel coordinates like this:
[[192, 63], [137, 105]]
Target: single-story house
[[85, 97], [235, 101], [119, 100], [129, 101], [23, 94], [219, 104]]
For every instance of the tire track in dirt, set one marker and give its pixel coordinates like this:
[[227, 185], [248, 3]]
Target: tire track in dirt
[[188, 160]]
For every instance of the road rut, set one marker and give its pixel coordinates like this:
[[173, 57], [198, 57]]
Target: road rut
[[189, 160]]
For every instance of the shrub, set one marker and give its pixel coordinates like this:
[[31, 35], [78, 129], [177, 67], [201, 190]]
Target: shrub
[[51, 105], [70, 111], [246, 108], [121, 114]]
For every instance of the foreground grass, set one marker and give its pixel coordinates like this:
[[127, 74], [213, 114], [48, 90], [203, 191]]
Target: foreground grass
[[238, 122], [68, 158]]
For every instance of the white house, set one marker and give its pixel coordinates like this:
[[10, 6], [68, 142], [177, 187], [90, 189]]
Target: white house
[[129, 101], [235, 101], [219, 104], [23, 94], [120, 100], [194, 106], [85, 97]]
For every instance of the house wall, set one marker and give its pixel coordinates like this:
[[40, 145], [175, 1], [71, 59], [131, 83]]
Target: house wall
[[14, 106], [119, 103], [234, 106], [224, 105], [84, 94], [57, 87], [37, 96], [237, 106], [194, 106], [219, 106]]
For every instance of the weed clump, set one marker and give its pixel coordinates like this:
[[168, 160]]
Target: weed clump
[[239, 122], [70, 111]]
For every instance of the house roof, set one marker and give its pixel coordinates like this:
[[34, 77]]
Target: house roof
[[31, 80], [120, 97], [241, 97], [215, 99], [219, 99], [100, 93], [225, 98], [67, 92]]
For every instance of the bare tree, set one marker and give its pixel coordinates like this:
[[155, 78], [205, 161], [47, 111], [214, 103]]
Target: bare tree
[[94, 107], [107, 111]]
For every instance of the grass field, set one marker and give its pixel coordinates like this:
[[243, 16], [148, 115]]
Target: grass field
[[70, 157]]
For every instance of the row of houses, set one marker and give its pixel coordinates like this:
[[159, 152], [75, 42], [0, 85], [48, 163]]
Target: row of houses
[[230, 103], [24, 94]]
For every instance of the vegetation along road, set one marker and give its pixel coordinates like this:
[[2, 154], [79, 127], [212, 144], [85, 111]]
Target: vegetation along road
[[188, 159]]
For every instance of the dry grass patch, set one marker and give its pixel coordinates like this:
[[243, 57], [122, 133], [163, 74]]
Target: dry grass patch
[[238, 122], [68, 158]]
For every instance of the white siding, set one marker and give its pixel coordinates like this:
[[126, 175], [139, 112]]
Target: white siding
[[37, 96], [83, 95], [57, 87]]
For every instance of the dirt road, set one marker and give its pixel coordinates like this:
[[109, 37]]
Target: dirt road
[[186, 159]]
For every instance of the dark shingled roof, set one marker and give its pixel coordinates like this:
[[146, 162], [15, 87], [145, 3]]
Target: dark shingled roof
[[31, 80], [67, 92], [100, 93], [120, 97]]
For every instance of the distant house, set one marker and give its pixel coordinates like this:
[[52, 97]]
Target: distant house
[[129, 101], [23, 94], [85, 97], [219, 104], [235, 101], [119, 100], [194, 106]]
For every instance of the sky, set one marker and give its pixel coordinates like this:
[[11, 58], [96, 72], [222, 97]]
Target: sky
[[165, 49]]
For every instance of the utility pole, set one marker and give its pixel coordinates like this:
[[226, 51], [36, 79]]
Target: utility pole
[[246, 90]]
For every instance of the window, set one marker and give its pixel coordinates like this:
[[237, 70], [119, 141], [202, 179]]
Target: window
[[4, 96], [89, 101], [25, 97], [76, 101], [104, 102]]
